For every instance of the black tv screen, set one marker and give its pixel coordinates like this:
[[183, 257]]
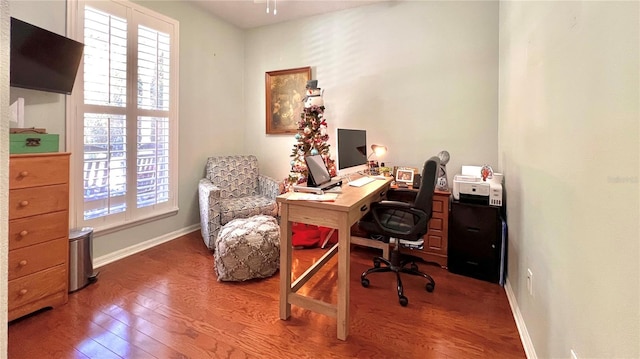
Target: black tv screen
[[42, 60], [352, 148]]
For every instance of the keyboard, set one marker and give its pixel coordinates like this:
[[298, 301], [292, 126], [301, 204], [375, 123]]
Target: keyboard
[[361, 181]]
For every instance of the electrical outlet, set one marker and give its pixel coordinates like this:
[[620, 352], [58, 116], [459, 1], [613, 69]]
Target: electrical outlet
[[573, 354], [530, 281]]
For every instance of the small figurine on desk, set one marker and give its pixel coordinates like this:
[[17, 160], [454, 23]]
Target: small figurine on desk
[[373, 167], [385, 171], [486, 172]]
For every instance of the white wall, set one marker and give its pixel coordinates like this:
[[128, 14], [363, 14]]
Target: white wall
[[42, 109], [569, 148], [420, 77]]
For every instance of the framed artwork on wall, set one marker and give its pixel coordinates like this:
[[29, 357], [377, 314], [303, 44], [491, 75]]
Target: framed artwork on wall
[[284, 91]]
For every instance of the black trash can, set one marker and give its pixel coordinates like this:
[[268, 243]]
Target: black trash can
[[80, 258]]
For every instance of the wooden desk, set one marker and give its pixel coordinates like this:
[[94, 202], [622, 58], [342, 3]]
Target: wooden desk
[[350, 206]]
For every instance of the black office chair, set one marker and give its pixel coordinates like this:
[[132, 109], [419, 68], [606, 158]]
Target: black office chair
[[406, 221]]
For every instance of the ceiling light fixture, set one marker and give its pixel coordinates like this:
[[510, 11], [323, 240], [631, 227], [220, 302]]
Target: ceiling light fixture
[[275, 7]]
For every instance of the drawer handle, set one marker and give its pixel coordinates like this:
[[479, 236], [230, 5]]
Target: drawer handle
[[383, 193], [363, 208], [24, 233], [24, 203], [33, 142], [23, 263], [24, 174], [473, 229], [23, 291]]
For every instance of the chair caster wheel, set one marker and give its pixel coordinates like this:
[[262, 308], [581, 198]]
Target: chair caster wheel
[[364, 282], [376, 263], [430, 287], [414, 266], [404, 301]]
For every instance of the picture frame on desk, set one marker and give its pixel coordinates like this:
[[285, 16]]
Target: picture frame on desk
[[404, 175]]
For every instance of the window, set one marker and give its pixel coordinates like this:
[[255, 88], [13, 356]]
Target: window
[[122, 114]]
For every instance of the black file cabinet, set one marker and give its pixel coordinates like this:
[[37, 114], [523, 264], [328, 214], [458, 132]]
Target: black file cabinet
[[477, 242]]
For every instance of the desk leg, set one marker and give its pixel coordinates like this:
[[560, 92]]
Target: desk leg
[[285, 262], [344, 252]]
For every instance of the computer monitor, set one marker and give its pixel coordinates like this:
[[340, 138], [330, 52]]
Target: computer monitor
[[352, 151]]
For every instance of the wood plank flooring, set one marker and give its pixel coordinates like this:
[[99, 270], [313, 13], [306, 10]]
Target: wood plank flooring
[[166, 303]]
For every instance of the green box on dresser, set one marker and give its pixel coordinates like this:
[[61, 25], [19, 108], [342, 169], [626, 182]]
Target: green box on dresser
[[33, 143]]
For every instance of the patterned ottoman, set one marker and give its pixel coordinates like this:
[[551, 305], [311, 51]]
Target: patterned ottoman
[[247, 248]]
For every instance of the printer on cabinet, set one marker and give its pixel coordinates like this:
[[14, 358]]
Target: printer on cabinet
[[470, 187]]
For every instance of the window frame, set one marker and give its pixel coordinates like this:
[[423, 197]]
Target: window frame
[[135, 15]]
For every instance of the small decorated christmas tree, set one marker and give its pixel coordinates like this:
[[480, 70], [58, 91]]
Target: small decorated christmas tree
[[311, 138]]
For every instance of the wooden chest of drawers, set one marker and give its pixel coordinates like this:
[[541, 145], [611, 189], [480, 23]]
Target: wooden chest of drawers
[[38, 232], [437, 238]]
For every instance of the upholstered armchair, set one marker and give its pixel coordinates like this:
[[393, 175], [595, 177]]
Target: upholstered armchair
[[233, 189]]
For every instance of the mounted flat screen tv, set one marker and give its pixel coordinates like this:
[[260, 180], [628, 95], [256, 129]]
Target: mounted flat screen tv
[[352, 150], [42, 60]]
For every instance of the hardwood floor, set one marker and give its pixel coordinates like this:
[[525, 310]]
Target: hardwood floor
[[166, 303]]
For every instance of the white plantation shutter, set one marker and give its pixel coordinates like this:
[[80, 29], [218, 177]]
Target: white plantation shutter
[[154, 57], [153, 161], [153, 69], [126, 117], [105, 169], [105, 58]]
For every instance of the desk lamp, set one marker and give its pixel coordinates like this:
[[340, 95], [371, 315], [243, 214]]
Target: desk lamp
[[378, 150]]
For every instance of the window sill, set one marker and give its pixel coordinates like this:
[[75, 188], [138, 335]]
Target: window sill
[[108, 229]]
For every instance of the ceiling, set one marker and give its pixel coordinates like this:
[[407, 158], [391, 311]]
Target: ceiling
[[247, 14]]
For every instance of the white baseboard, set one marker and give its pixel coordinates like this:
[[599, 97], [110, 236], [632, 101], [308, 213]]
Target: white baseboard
[[529, 350], [125, 252]]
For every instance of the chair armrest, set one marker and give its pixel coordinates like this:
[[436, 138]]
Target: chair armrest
[[209, 192], [386, 204], [209, 200], [268, 187]]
